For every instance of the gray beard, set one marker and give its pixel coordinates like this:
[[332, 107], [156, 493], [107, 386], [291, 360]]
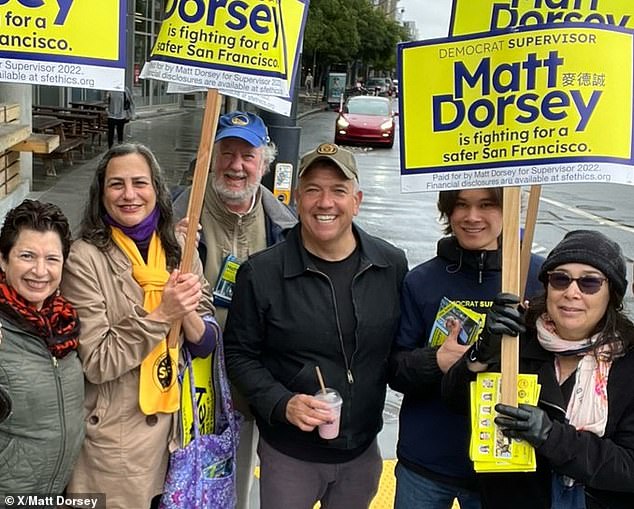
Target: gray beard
[[235, 197]]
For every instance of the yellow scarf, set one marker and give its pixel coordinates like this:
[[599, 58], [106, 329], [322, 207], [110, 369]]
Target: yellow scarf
[[158, 390]]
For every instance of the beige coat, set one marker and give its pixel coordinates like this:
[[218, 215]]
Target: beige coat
[[125, 453]]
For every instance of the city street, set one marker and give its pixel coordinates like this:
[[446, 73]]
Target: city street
[[407, 220]]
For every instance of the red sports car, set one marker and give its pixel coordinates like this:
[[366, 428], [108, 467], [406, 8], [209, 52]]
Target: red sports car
[[366, 120]]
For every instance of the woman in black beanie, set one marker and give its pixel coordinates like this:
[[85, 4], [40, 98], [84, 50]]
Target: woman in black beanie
[[578, 341]]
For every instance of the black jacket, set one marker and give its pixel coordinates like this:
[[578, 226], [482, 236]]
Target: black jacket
[[605, 465], [283, 322]]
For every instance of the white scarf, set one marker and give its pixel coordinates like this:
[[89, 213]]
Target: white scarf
[[588, 406]]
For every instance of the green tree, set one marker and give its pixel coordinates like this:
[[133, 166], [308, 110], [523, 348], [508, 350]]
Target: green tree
[[349, 33], [331, 33]]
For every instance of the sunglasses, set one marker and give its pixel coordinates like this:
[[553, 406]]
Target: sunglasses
[[587, 284]]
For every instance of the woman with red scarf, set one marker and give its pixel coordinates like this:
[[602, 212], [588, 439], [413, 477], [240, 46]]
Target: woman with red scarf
[[122, 275], [40, 371]]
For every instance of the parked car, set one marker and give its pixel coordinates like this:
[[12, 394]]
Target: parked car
[[366, 120], [379, 86], [395, 88]]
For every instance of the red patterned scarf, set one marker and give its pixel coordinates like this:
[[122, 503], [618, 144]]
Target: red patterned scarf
[[56, 323]]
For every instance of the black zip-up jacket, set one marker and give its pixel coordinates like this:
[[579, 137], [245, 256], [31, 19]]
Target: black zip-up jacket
[[283, 322], [605, 465]]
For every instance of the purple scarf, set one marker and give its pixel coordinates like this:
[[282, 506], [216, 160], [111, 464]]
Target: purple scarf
[[141, 233]]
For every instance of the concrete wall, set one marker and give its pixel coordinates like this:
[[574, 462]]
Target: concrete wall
[[22, 95]]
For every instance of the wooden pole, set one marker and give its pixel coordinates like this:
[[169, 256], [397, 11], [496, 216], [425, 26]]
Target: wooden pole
[[199, 183], [529, 233], [510, 284]]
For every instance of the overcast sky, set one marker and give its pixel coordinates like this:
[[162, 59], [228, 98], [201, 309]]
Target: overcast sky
[[431, 16]]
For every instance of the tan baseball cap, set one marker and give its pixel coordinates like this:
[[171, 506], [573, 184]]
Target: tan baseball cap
[[341, 157]]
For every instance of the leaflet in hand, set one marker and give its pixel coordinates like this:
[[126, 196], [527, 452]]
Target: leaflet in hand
[[489, 449], [472, 323]]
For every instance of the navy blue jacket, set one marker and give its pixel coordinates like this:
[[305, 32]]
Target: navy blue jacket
[[433, 440]]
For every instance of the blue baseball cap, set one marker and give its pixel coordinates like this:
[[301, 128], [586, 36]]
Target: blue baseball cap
[[243, 125]]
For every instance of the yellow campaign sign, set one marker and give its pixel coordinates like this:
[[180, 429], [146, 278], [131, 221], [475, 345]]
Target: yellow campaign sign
[[292, 11], [470, 17], [245, 46], [205, 399], [521, 108], [76, 43]]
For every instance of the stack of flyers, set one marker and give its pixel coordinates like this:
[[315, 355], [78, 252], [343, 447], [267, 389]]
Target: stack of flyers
[[490, 450], [472, 323]]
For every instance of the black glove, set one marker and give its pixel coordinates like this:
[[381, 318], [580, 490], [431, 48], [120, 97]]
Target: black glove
[[527, 422], [5, 404], [503, 318]]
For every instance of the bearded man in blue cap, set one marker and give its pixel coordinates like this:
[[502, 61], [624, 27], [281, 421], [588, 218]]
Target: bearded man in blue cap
[[239, 217]]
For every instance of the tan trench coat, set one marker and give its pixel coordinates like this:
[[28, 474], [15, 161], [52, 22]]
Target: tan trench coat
[[125, 453]]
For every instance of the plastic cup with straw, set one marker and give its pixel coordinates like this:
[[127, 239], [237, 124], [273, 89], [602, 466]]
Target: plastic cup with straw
[[330, 429]]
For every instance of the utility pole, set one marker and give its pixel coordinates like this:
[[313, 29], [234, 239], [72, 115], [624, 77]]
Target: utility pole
[[285, 133]]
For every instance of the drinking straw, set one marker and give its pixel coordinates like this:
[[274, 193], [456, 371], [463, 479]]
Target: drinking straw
[[321, 380]]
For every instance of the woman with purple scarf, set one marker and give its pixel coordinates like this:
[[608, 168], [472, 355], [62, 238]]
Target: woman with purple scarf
[[122, 276]]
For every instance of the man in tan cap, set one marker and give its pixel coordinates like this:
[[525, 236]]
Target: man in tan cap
[[327, 297]]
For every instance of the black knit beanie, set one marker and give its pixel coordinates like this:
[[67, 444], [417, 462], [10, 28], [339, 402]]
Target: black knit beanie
[[592, 248]]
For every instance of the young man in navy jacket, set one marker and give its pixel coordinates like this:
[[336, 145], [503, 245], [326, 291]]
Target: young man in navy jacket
[[433, 462]]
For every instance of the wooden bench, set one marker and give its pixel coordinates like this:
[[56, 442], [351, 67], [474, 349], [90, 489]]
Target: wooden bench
[[85, 123], [90, 105], [10, 134], [9, 172], [97, 129], [63, 151]]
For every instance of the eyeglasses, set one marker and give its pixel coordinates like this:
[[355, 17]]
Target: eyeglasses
[[587, 284]]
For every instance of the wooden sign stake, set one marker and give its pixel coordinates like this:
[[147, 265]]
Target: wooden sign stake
[[199, 183], [510, 284], [527, 241]]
